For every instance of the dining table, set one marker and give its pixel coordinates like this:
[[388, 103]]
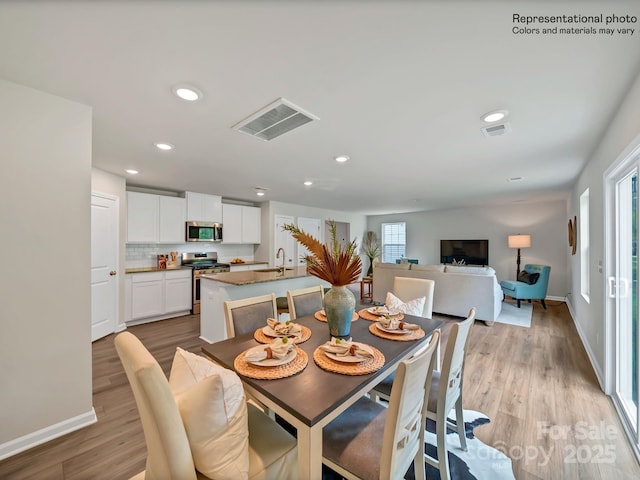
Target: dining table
[[313, 397]]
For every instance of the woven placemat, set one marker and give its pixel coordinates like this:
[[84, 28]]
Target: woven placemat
[[262, 338], [271, 373], [323, 318], [404, 337], [374, 318], [362, 368]]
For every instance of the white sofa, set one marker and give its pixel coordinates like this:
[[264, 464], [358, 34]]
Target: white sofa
[[457, 288]]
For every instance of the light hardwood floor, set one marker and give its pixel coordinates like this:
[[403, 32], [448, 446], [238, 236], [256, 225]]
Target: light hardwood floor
[[536, 384]]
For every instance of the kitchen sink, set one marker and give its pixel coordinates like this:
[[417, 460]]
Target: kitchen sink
[[266, 270]]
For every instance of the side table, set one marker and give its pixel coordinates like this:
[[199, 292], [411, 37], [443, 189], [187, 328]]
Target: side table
[[366, 288]]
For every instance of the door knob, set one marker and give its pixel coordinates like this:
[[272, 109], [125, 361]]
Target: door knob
[[113, 272]]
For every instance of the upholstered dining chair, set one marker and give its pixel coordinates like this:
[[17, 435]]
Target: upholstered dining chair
[[272, 451], [407, 289], [305, 301], [369, 441], [248, 314], [531, 284]]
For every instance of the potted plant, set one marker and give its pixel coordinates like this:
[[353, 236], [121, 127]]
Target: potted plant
[[371, 249], [339, 265]]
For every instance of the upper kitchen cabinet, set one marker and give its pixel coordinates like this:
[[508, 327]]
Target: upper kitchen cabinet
[[204, 208], [241, 224], [173, 216], [143, 218], [155, 218]]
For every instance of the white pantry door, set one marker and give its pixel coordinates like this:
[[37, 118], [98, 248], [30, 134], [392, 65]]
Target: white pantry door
[[283, 240], [104, 255], [312, 227]]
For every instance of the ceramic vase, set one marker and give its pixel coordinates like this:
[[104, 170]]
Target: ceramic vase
[[339, 306]]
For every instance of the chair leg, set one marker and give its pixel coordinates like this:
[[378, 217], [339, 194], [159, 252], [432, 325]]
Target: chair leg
[[443, 456], [529, 300], [518, 302], [460, 424], [544, 304]]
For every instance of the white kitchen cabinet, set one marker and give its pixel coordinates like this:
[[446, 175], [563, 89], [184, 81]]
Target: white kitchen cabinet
[[202, 207], [147, 291], [177, 290], [241, 224], [142, 217], [157, 295], [155, 218], [251, 228], [172, 219]]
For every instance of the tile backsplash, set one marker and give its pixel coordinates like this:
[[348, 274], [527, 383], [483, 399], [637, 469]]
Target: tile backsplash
[[145, 255]]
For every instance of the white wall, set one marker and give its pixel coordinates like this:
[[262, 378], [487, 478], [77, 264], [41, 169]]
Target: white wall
[[357, 223], [546, 222], [104, 182], [45, 296], [590, 317]]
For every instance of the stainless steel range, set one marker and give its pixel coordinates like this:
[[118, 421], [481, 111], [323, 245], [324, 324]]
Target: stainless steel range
[[202, 263]]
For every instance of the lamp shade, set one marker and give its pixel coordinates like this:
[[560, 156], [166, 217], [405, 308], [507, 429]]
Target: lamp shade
[[519, 241]]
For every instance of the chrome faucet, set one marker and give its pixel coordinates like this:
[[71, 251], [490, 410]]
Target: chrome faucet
[[282, 269]]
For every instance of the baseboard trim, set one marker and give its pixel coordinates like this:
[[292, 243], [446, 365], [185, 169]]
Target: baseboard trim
[[586, 346], [557, 299], [13, 447]]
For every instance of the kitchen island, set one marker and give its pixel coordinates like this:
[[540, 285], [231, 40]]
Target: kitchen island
[[217, 288]]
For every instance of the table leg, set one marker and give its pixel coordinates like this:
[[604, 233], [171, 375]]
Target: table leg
[[310, 453]]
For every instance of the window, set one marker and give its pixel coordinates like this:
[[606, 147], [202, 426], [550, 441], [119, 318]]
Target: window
[[584, 244], [394, 241]]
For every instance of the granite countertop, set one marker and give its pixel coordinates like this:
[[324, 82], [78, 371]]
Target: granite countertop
[[153, 269], [248, 262], [247, 277]]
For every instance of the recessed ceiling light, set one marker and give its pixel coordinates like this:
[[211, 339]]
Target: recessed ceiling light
[[515, 179], [260, 191], [308, 183], [342, 158], [132, 172], [187, 92], [494, 116], [164, 146]]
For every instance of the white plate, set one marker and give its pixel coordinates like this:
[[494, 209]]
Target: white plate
[[273, 362], [346, 358], [394, 331]]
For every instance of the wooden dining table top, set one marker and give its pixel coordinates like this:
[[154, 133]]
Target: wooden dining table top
[[313, 393]]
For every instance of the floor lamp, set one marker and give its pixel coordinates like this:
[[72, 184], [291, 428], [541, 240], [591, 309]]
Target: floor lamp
[[519, 241]]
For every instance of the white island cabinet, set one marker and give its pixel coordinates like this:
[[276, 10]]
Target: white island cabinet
[[242, 224], [157, 295]]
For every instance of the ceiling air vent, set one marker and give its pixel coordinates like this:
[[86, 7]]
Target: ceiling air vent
[[496, 130], [274, 120]]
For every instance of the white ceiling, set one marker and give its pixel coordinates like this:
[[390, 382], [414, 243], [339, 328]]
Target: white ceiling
[[400, 86]]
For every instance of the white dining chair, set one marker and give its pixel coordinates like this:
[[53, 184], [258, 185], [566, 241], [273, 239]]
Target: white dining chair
[[305, 301], [407, 289], [369, 441], [249, 314]]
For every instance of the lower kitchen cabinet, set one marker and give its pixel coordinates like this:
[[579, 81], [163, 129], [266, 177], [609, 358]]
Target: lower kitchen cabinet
[[157, 295]]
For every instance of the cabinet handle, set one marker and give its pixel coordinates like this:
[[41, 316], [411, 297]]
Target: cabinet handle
[[113, 272]]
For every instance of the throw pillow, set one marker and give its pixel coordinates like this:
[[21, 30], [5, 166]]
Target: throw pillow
[[529, 278], [412, 307], [214, 412]]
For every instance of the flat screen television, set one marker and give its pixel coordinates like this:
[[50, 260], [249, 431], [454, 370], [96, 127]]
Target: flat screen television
[[473, 252]]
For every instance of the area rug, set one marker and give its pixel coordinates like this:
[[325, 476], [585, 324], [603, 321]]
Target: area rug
[[479, 462], [512, 315]]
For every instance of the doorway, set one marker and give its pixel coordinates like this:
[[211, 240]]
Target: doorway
[[623, 332], [104, 259]]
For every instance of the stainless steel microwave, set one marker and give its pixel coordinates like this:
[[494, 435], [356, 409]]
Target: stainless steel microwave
[[203, 232]]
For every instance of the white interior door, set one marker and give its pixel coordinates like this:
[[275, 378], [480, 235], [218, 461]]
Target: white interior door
[[283, 240], [313, 226], [104, 255]]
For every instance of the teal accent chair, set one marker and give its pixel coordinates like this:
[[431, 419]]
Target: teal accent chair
[[524, 291]]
